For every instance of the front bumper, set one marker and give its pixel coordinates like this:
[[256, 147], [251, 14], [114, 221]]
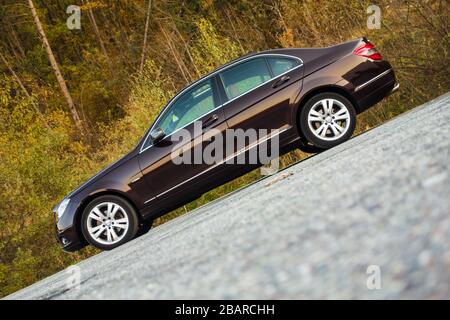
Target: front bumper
[[67, 231], [69, 239]]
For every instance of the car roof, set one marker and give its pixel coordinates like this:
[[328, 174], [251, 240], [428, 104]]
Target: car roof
[[246, 56], [250, 54]]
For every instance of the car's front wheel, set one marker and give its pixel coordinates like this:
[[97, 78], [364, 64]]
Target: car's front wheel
[[327, 120], [108, 222]]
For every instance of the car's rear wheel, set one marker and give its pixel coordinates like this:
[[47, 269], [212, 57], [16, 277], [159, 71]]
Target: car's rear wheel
[[327, 120], [144, 227], [108, 222]]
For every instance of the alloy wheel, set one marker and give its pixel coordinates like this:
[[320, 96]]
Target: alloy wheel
[[107, 223], [329, 119]]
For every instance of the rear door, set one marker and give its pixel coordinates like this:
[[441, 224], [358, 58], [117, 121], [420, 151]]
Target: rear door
[[259, 93]]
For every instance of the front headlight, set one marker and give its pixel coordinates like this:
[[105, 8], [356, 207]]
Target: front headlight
[[62, 207]]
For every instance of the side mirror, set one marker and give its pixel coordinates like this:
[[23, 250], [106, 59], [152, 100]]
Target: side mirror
[[157, 134]]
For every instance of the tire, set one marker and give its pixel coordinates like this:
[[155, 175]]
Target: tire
[[108, 222], [326, 127], [144, 227], [309, 148]]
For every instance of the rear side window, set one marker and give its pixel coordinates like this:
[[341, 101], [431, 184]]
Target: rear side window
[[282, 65], [245, 77]]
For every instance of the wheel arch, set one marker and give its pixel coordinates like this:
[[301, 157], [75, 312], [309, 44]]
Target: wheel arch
[[322, 89], [90, 198]]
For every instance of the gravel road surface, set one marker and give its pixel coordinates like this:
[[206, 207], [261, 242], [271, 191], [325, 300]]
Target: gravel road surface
[[379, 202]]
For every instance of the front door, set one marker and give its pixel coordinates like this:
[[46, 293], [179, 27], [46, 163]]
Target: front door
[[195, 111]]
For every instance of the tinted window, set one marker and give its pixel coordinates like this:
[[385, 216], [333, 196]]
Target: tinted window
[[244, 77], [282, 65], [188, 107]]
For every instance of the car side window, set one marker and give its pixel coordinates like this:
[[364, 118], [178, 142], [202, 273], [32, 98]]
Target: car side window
[[244, 77], [281, 65], [189, 107]]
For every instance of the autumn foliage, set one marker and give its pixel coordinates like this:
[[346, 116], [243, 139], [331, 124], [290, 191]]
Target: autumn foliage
[[44, 154]]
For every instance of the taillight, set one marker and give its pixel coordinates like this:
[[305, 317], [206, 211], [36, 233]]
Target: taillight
[[368, 50]]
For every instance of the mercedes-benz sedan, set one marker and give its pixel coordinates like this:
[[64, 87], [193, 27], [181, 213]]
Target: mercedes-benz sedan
[[302, 97]]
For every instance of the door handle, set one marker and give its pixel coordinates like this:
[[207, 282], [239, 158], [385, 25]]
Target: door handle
[[210, 120], [282, 80]]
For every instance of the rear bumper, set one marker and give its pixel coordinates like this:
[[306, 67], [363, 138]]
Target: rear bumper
[[375, 89], [365, 80], [374, 79], [395, 88]]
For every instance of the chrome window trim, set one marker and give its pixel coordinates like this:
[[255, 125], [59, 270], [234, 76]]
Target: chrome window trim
[[261, 84], [142, 149], [365, 84], [254, 144]]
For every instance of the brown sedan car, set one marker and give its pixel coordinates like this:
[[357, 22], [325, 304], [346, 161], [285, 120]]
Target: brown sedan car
[[305, 98]]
